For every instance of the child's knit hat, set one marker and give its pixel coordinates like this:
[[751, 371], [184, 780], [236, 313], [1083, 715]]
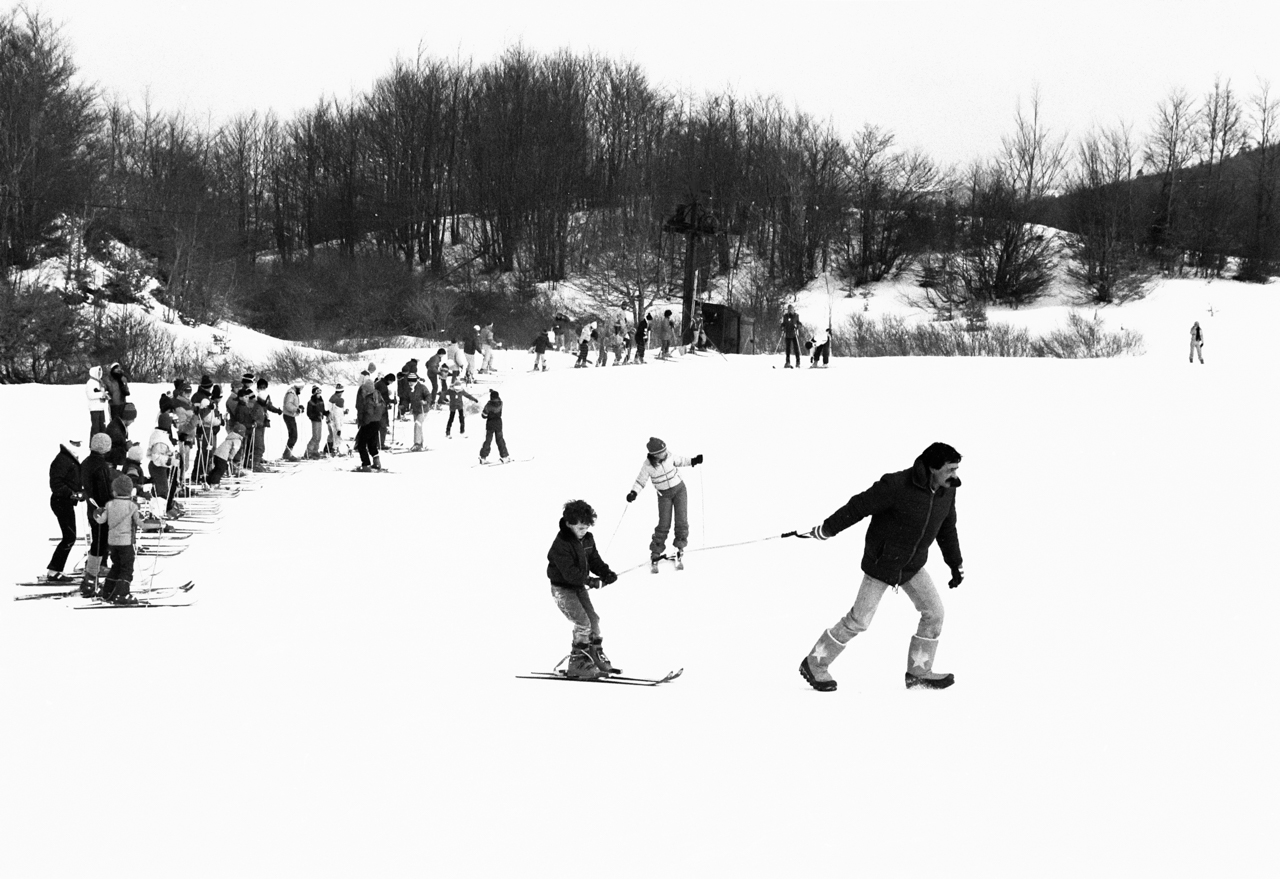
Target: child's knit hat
[[100, 443], [122, 486], [493, 394], [656, 446]]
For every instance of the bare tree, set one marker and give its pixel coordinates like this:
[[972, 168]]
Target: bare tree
[[1262, 227], [1169, 149], [1107, 262]]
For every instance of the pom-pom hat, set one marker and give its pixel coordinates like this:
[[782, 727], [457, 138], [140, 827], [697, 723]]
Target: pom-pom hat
[[656, 446]]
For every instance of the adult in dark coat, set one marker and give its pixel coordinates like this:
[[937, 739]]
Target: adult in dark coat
[[118, 431], [909, 510], [492, 415], [96, 475], [791, 334], [65, 491], [117, 388]]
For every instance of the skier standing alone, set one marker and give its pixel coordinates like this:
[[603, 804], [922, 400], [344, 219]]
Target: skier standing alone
[[492, 415], [571, 563], [1197, 342], [909, 510], [662, 468]]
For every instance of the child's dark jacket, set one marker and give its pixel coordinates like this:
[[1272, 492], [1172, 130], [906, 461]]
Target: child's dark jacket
[[570, 561]]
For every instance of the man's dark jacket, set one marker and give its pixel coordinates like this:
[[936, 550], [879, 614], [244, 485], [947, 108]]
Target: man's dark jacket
[[906, 517]]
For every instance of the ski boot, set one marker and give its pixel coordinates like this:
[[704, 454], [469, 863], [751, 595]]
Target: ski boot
[[679, 559], [653, 565], [505, 460], [920, 673], [596, 651], [581, 664]]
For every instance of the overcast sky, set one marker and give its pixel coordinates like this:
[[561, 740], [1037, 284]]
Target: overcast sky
[[945, 77]]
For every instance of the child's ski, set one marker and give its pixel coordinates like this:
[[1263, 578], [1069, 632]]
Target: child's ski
[[604, 679]]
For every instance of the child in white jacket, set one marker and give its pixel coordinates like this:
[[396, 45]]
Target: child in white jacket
[[662, 469]]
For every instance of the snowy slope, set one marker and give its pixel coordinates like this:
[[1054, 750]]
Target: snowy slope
[[342, 699]]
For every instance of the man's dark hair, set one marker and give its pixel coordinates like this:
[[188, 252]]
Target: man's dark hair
[[939, 455], [579, 513]]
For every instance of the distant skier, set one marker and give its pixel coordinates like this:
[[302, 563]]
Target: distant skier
[[420, 402], [909, 510], [96, 396], [337, 409], [117, 388], [455, 393], [642, 338], [790, 333], [316, 416], [65, 491], [96, 475], [492, 415], [540, 342], [487, 344], [121, 517], [292, 407], [821, 347], [369, 410], [1197, 342], [574, 566], [662, 468]]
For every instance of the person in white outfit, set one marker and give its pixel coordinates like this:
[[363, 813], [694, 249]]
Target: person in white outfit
[[662, 469], [96, 396]]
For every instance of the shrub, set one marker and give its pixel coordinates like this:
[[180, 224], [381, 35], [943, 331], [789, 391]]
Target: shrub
[[890, 336]]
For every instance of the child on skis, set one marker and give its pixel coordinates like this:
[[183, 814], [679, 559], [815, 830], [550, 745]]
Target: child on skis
[[662, 468], [455, 394], [492, 415], [571, 563], [315, 415], [121, 517], [337, 408]]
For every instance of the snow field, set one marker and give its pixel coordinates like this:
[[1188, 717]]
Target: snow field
[[342, 700]]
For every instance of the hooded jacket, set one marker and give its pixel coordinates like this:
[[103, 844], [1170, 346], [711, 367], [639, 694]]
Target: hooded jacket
[[64, 474], [906, 517], [570, 561]]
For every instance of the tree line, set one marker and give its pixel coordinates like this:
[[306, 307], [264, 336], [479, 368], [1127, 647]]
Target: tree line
[[452, 189]]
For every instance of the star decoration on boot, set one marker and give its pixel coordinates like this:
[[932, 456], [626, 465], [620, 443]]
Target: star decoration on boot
[[920, 659], [819, 651]]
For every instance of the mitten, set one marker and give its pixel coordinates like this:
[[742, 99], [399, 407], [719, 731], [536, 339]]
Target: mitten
[[631, 495], [818, 533], [695, 460], [593, 582], [957, 576], [609, 578]]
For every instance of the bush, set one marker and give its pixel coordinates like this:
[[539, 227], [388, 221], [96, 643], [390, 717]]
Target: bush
[[861, 336]]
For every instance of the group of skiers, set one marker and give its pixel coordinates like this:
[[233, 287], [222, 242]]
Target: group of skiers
[[603, 338]]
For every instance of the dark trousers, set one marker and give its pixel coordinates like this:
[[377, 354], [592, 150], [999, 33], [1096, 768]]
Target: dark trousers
[[367, 442], [97, 535], [462, 421], [97, 423], [291, 427], [492, 432], [120, 576], [217, 471], [435, 388], [64, 508], [793, 345]]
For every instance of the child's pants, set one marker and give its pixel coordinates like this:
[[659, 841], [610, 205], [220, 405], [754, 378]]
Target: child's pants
[[677, 501], [120, 576], [418, 421], [575, 603], [493, 432], [462, 421]]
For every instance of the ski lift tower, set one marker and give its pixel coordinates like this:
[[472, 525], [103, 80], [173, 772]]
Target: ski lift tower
[[694, 222]]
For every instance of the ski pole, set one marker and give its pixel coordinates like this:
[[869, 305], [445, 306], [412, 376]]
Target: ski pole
[[615, 529]]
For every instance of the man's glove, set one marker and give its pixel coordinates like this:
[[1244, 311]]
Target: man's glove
[[609, 578], [631, 495], [593, 582], [818, 533], [957, 576], [695, 460]]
